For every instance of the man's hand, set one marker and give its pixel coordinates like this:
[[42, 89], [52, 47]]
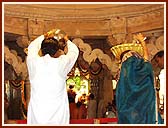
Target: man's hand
[[66, 38], [58, 33]]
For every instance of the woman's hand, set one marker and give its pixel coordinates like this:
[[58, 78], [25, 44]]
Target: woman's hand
[[141, 39]]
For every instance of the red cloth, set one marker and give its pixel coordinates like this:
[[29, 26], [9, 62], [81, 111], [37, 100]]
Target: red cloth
[[21, 121], [91, 121], [80, 121]]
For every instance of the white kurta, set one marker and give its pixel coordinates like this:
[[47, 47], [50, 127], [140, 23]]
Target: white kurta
[[48, 100], [162, 92]]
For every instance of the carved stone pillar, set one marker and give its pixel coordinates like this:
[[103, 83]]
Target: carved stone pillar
[[23, 41], [118, 27]]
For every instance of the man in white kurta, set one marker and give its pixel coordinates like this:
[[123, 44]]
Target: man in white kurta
[[48, 100]]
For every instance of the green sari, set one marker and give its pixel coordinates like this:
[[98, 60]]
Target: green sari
[[135, 93]]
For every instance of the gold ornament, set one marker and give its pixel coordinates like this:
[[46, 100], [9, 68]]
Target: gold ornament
[[119, 49]]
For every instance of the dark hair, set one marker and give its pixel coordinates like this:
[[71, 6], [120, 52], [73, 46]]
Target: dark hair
[[78, 104], [62, 43], [49, 46], [71, 86], [159, 54], [71, 99], [122, 54], [91, 96]]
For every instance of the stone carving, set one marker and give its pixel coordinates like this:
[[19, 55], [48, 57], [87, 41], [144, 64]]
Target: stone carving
[[23, 41], [90, 55], [111, 40], [13, 59], [145, 22], [120, 38], [155, 46], [35, 27], [118, 25], [15, 25], [77, 11], [160, 43]]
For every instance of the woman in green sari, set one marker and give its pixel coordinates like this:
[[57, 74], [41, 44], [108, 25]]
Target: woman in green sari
[[135, 93]]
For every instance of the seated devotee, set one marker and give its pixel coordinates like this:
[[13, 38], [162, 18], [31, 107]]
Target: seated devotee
[[135, 93], [111, 112]]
